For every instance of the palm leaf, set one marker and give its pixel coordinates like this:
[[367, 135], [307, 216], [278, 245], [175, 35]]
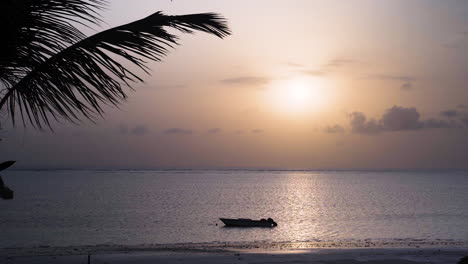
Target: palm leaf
[[80, 78], [5, 192], [34, 30], [6, 164]]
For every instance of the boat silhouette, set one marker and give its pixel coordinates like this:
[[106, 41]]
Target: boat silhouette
[[246, 222]]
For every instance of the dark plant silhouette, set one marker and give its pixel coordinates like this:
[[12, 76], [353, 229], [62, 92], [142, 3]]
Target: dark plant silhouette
[[463, 260], [5, 192], [49, 69]]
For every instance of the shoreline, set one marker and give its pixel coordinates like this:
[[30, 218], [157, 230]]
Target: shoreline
[[246, 247], [298, 256]]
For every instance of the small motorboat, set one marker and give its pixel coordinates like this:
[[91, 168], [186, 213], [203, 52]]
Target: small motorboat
[[245, 222]]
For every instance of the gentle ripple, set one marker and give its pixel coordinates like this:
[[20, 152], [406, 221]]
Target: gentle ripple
[[157, 207]]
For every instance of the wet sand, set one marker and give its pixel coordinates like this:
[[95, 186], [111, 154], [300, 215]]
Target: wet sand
[[337, 252]]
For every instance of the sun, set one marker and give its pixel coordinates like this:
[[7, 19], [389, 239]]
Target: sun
[[299, 95]]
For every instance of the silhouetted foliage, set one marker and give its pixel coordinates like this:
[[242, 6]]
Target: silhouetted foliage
[[49, 69], [5, 192], [6, 164], [463, 260]]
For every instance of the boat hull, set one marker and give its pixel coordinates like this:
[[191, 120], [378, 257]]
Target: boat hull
[[247, 223]]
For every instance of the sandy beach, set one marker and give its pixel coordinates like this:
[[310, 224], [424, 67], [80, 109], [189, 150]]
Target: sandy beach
[[402, 252], [330, 256]]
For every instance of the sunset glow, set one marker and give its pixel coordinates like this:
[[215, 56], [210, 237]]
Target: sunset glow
[[300, 95], [313, 84]]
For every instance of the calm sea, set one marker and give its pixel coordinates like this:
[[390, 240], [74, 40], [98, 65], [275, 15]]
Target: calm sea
[[60, 208]]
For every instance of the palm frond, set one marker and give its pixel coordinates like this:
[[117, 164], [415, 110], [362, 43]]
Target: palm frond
[[78, 80], [6, 164], [5, 192], [34, 30]]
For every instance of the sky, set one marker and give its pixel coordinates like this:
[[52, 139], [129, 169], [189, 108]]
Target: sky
[[298, 85]]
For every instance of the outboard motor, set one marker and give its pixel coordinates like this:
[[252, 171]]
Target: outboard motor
[[273, 223]]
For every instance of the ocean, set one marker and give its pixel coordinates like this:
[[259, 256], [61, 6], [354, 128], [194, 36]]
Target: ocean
[[73, 208]]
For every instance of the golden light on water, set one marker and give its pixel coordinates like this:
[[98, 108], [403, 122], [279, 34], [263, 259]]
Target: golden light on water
[[300, 95]]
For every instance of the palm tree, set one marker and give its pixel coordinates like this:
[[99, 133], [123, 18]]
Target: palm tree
[[50, 70]]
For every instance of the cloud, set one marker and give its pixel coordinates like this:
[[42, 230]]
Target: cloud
[[302, 69], [214, 130], [400, 118], [390, 77], [314, 72], [325, 69], [177, 131], [339, 62], [335, 129], [245, 80], [360, 124], [122, 129], [406, 86], [256, 131], [461, 115], [293, 64], [140, 130], [137, 130], [407, 81], [450, 113], [438, 123]]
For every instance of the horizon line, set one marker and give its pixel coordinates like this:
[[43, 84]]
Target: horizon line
[[236, 169]]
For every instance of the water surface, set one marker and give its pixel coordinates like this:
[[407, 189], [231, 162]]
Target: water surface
[[60, 208]]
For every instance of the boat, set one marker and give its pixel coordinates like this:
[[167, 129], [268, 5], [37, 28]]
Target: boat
[[245, 222]]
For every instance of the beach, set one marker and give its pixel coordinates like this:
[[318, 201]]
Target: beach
[[331, 253]]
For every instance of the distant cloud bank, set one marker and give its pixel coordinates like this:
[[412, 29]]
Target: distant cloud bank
[[215, 130], [400, 118], [245, 80], [138, 130], [256, 131], [177, 131], [335, 129]]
